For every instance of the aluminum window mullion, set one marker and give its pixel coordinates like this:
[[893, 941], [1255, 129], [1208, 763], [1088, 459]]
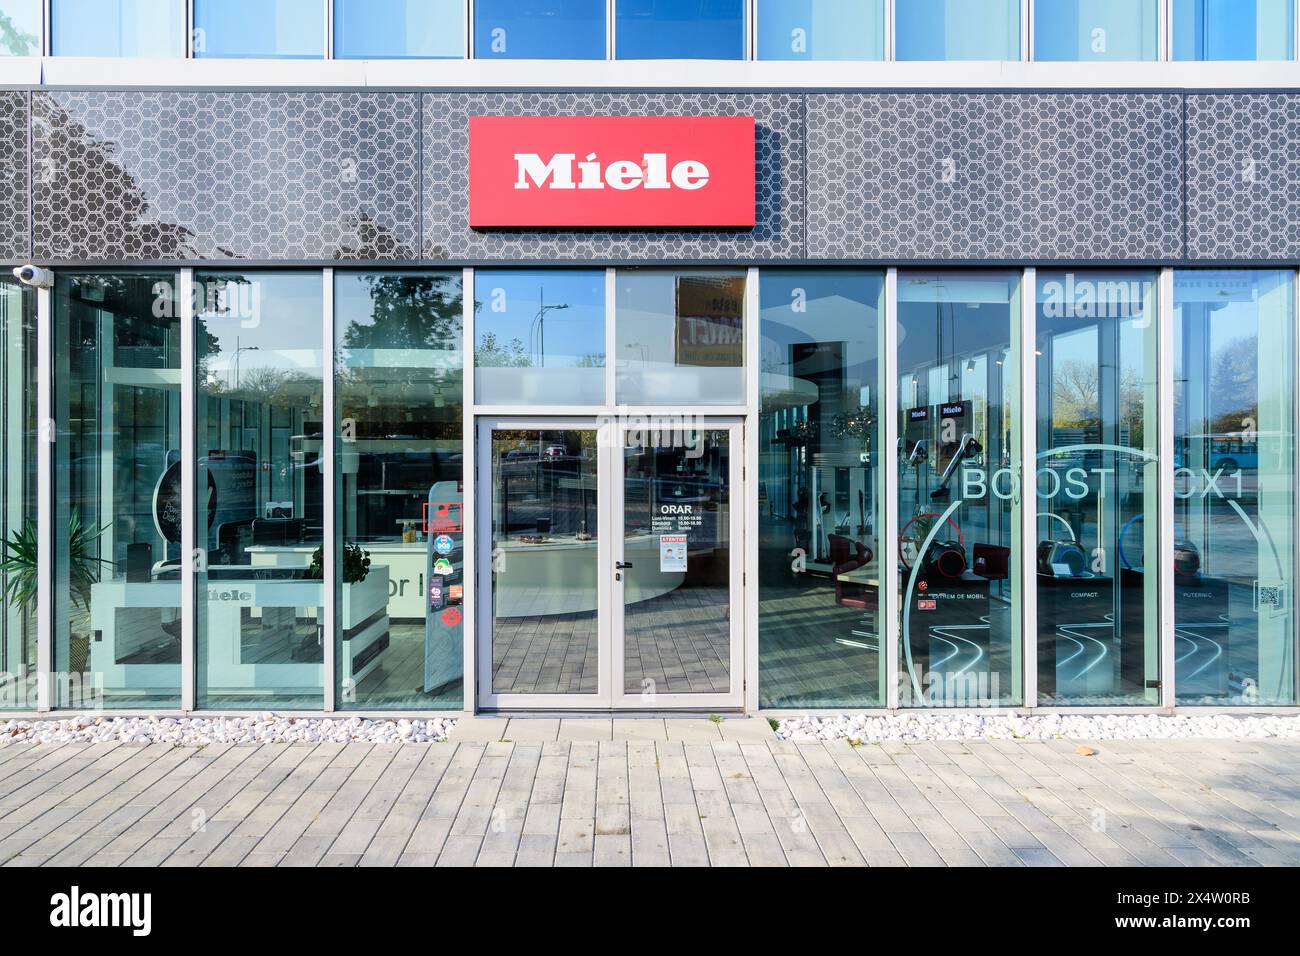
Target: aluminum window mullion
[[611, 338], [611, 38], [1166, 31], [329, 29], [47, 435], [888, 626], [1165, 485], [752, 331], [189, 495], [47, 28], [1028, 430], [889, 46], [329, 536], [1027, 31], [1295, 495], [469, 488]]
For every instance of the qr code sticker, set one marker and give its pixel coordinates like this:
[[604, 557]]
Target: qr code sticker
[[1270, 597]]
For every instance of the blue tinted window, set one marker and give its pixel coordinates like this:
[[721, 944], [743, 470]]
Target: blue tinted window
[[259, 28], [118, 28], [399, 28], [1096, 30], [1234, 30], [20, 27], [821, 29], [957, 30], [536, 30], [679, 29]]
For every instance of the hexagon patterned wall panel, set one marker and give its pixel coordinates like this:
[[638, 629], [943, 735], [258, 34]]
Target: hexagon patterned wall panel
[[995, 176], [1243, 176], [780, 188], [225, 175], [15, 234]]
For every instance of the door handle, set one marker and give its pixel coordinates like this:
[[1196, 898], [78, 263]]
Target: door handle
[[620, 566]]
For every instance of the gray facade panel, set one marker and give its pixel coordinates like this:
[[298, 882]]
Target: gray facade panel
[[226, 175], [1002, 176], [15, 177], [1243, 176], [779, 232]]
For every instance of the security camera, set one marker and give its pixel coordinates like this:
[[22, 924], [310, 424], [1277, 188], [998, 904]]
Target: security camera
[[35, 276]]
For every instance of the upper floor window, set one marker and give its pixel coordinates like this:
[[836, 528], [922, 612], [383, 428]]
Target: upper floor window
[[679, 30], [149, 28], [290, 29], [821, 29], [1096, 30], [395, 29], [957, 30], [1234, 30], [537, 30], [20, 27]]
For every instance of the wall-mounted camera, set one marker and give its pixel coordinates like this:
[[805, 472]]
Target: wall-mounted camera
[[35, 276]]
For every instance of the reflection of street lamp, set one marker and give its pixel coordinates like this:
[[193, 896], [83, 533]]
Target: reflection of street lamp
[[539, 324], [234, 364]]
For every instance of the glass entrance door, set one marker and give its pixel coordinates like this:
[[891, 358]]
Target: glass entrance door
[[611, 557]]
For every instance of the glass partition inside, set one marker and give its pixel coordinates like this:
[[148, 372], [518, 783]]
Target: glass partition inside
[[958, 472], [539, 29], [1234, 488], [399, 29], [260, 362], [680, 338], [819, 494], [1233, 30], [117, 567], [957, 30], [145, 28], [282, 29], [821, 29], [1079, 30], [400, 583], [21, 549], [539, 337], [1097, 489]]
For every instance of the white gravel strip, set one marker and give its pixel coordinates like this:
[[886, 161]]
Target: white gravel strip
[[192, 731], [940, 726]]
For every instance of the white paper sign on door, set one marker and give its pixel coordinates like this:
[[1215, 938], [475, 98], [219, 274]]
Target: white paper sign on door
[[672, 553]]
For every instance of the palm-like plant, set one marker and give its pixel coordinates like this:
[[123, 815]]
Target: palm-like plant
[[19, 560]]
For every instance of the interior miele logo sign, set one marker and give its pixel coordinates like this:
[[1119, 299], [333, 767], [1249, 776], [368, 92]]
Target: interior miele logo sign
[[611, 172]]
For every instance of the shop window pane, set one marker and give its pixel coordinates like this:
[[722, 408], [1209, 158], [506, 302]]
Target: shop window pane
[[958, 477], [680, 338], [145, 28], [539, 337], [398, 369], [117, 560], [1234, 29], [20, 27], [821, 29], [1234, 488], [820, 553], [1097, 494], [399, 28], [679, 29], [260, 364], [957, 30], [538, 30], [284, 29], [1096, 30], [18, 392]]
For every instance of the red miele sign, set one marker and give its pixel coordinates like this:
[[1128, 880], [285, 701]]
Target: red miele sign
[[611, 171]]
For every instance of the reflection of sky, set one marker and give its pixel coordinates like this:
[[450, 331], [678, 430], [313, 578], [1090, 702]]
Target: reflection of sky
[[1233, 29], [680, 29], [840, 307], [399, 28], [118, 27], [266, 28], [1068, 30], [284, 331], [569, 334], [526, 29], [831, 29], [957, 30]]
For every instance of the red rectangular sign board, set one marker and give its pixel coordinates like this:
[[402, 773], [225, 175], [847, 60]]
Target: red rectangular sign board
[[611, 171]]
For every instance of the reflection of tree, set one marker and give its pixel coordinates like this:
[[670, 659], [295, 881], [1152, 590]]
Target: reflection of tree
[[409, 312], [489, 353], [1076, 400], [15, 41], [1234, 383]]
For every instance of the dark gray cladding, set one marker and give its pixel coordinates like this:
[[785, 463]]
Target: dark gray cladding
[[226, 175], [15, 228], [1243, 176], [1032, 177], [779, 125], [292, 176]]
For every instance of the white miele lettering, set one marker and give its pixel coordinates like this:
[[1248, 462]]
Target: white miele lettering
[[623, 174]]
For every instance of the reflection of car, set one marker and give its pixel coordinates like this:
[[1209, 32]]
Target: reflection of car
[[556, 451]]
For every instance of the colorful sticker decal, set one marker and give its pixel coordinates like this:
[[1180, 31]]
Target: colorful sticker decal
[[436, 593], [456, 593], [451, 617], [444, 544], [443, 566], [672, 553]]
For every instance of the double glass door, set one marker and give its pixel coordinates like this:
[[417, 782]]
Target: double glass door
[[613, 551]]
